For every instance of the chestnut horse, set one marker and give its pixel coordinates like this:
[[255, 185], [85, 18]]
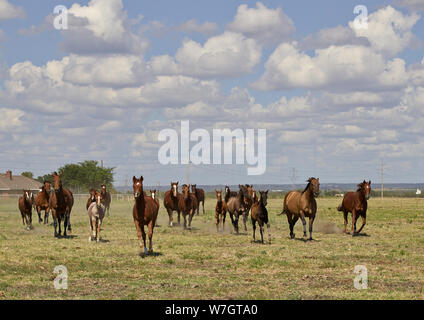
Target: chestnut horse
[[302, 204], [61, 202], [260, 215], [145, 212], [200, 197], [41, 202], [106, 199], [187, 204], [356, 203], [96, 213], [236, 205], [25, 207], [220, 210], [170, 202]]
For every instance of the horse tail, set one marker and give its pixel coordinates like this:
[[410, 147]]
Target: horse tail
[[282, 212]]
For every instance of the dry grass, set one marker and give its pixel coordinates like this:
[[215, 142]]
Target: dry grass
[[202, 264]]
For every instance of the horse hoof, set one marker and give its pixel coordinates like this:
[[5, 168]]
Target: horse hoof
[[292, 236]]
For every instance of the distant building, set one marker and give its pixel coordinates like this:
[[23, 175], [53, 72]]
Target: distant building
[[10, 184]]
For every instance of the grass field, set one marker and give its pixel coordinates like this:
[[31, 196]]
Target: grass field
[[202, 264]]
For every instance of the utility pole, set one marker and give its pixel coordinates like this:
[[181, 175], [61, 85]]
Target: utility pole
[[188, 173], [382, 178], [101, 163]]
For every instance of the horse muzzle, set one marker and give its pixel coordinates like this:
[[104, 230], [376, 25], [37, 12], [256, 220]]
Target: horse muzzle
[[316, 194]]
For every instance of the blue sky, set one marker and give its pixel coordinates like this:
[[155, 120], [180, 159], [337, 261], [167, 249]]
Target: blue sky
[[100, 92]]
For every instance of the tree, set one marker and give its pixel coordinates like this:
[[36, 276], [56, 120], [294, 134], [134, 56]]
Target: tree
[[27, 174], [85, 175]]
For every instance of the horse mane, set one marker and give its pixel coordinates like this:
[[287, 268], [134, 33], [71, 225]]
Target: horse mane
[[360, 187], [309, 184]]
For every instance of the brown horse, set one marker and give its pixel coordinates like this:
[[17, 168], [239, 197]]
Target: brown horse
[[187, 204], [96, 213], [92, 198], [106, 199], [170, 202], [220, 210], [302, 204], [41, 202], [356, 203], [200, 197], [260, 215], [236, 205], [229, 193], [25, 207], [145, 212], [61, 202]]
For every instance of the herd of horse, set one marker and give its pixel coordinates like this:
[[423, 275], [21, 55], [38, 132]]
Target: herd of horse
[[146, 208]]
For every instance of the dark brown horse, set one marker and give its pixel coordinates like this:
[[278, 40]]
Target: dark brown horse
[[41, 202], [25, 207], [106, 199], [170, 202], [302, 204], [92, 198], [236, 205], [145, 213], [200, 197], [260, 215], [356, 203], [220, 210], [229, 193], [96, 213], [187, 204], [61, 202]]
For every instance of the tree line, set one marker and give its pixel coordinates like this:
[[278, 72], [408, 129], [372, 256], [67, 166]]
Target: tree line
[[81, 177]]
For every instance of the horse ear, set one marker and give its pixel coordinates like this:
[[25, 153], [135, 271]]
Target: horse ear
[[141, 178], [267, 191], [370, 182], [134, 179]]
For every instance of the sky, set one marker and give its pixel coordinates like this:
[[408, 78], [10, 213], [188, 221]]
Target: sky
[[337, 101]]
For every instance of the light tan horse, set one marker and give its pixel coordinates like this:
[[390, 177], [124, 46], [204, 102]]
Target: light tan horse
[[302, 204], [96, 213]]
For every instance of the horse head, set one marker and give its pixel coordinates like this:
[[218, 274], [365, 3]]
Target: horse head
[[99, 199], [219, 195], [57, 181], [365, 188], [264, 197], [138, 187], [153, 194], [174, 189], [244, 192], [313, 184], [186, 191], [47, 186], [93, 194], [27, 196], [194, 188]]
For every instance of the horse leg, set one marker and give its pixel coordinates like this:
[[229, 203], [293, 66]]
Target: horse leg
[[59, 220], [137, 226], [302, 216], [345, 217], [170, 215], [203, 206], [68, 215], [190, 216], [26, 221], [245, 216], [91, 229], [261, 228], [268, 227], [143, 233], [65, 224], [99, 223], [223, 220], [185, 220], [39, 214], [353, 222], [291, 225], [179, 217], [217, 220], [254, 229], [54, 222], [150, 226], [311, 222], [46, 216], [364, 221]]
